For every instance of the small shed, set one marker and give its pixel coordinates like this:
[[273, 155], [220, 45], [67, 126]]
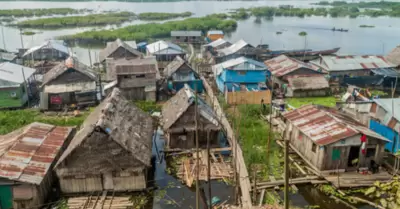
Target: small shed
[[49, 50], [27, 158], [179, 122], [69, 83], [120, 49], [213, 35], [111, 151], [179, 73], [307, 86], [330, 140], [186, 37], [13, 91]]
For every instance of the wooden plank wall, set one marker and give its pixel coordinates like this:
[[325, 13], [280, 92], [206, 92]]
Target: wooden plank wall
[[248, 97], [244, 180]]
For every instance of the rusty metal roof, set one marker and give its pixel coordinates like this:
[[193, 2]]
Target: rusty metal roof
[[326, 125], [346, 63], [27, 156], [308, 82], [283, 65]]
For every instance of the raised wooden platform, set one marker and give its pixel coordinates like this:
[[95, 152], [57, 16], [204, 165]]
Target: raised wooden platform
[[354, 179]]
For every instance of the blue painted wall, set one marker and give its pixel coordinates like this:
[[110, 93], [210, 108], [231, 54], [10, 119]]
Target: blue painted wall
[[387, 132], [250, 76], [194, 84]]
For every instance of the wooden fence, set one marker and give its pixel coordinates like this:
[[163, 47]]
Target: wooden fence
[[248, 97]]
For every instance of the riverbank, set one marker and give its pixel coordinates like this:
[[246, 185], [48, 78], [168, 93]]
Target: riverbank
[[39, 12], [153, 30], [162, 16]]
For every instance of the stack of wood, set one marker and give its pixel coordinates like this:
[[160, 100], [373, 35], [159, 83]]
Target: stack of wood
[[219, 168], [100, 202]]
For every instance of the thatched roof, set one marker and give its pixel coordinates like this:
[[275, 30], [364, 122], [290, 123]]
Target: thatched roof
[[112, 47], [394, 56], [175, 107], [124, 123], [173, 66], [70, 63]]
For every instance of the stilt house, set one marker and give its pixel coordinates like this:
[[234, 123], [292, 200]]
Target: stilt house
[[27, 158], [112, 150], [119, 49], [178, 118], [179, 73]]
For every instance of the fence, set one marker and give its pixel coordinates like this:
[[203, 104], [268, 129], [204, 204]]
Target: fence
[[248, 97]]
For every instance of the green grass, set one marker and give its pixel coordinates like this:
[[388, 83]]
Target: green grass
[[325, 101], [12, 120]]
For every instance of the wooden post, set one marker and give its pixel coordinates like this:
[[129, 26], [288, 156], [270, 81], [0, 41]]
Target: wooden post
[[286, 191], [25, 86], [197, 151], [255, 184], [209, 170]]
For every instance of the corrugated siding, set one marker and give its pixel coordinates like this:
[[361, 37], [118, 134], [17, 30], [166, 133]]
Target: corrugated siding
[[75, 185], [388, 133], [130, 183]]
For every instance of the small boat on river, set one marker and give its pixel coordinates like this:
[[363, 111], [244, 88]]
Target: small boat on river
[[340, 29]]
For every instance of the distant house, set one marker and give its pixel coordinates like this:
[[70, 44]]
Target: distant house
[[394, 57], [213, 35], [49, 50], [13, 91], [211, 49], [111, 151], [179, 73], [380, 115], [179, 122], [290, 75], [135, 78], [330, 140], [27, 158], [119, 49], [69, 83], [240, 73], [238, 49], [164, 52], [186, 36], [7, 57]]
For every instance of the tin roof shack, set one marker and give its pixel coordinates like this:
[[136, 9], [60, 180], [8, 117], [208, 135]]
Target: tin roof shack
[[69, 83], [213, 35], [394, 57], [212, 48], [194, 37], [136, 78], [330, 140], [27, 158], [119, 49], [240, 73], [238, 49], [343, 67], [49, 50], [112, 150], [179, 73], [282, 67], [13, 92], [164, 52], [307, 86], [179, 122]]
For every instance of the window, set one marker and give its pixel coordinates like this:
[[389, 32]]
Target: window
[[13, 94], [314, 148], [127, 76], [141, 76], [370, 152]]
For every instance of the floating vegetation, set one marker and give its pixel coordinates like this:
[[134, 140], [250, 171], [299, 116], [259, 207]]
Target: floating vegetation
[[28, 33], [162, 16]]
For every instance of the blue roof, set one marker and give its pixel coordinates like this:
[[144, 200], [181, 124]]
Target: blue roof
[[215, 32]]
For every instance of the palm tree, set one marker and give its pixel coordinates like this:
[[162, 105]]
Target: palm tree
[[304, 34]]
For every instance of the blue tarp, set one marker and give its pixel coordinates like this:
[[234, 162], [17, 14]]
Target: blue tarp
[[388, 133], [195, 84]]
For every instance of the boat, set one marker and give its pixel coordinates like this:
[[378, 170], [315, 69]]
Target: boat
[[300, 53], [340, 29]]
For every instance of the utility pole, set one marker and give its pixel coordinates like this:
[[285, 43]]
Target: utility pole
[[270, 118], [209, 170], [22, 45], [197, 149], [26, 86], [286, 190], [2, 35]]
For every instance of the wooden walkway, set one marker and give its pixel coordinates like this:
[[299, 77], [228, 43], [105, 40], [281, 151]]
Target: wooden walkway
[[100, 201], [354, 179]]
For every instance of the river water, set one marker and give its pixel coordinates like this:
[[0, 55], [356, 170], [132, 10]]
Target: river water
[[378, 40]]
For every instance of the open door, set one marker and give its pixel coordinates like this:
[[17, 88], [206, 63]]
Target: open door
[[353, 154]]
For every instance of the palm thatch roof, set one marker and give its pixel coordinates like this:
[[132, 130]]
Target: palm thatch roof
[[113, 46], [70, 63], [123, 122], [175, 107]]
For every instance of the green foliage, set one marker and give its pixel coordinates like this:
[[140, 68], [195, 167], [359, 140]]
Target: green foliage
[[39, 12], [148, 106], [12, 120], [62, 204], [139, 200], [154, 30], [303, 33], [325, 101], [28, 33], [240, 14], [162, 16], [71, 21], [387, 194]]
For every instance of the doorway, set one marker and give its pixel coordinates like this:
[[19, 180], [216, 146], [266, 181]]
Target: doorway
[[353, 154]]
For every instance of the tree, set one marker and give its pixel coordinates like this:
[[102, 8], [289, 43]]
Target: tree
[[354, 10]]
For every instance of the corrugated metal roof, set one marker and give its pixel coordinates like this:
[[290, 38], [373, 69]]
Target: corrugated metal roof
[[346, 63], [394, 56], [386, 104], [28, 156], [186, 33], [240, 63], [13, 73], [326, 125], [233, 48], [386, 72], [7, 56], [159, 46], [51, 44], [111, 47], [308, 82], [217, 43], [282, 65], [215, 32]]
